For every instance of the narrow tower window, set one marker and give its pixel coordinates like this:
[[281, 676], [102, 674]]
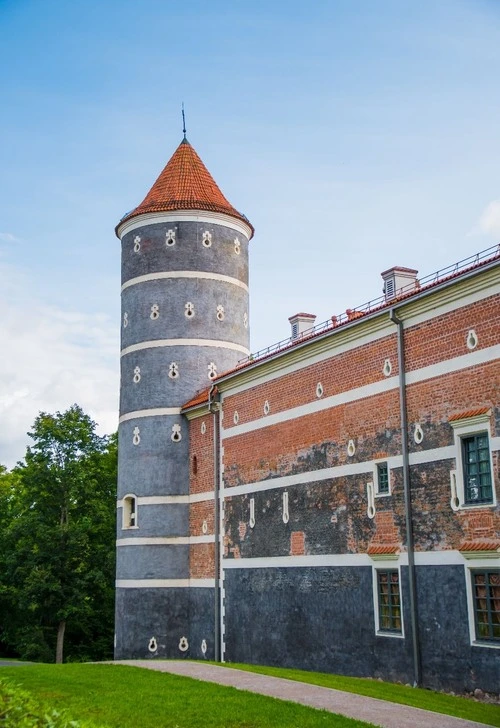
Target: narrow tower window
[[129, 512]]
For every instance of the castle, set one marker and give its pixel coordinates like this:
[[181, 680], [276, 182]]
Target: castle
[[330, 503]]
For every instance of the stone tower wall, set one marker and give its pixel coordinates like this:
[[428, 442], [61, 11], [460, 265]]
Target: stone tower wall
[[184, 316]]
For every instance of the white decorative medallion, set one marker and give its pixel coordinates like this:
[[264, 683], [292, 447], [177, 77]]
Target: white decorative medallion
[[319, 390], [183, 644], [176, 435], [351, 448], [170, 238], [212, 370], [245, 320], [203, 428], [251, 521], [237, 246], [220, 313], [173, 370], [136, 436], [418, 434], [286, 516], [204, 526], [267, 407], [189, 309], [387, 369], [125, 320], [137, 243], [236, 417], [137, 375], [207, 239], [204, 646], [155, 311], [152, 646], [472, 340]]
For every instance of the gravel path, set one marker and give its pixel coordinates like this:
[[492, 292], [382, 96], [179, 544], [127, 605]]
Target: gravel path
[[371, 710]]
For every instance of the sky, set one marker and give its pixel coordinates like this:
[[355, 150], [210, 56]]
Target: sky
[[354, 135]]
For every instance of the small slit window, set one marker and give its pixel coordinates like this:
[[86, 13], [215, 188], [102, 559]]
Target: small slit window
[[129, 515], [195, 465]]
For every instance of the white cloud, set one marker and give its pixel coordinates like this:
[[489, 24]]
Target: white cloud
[[51, 358], [9, 238], [489, 222]]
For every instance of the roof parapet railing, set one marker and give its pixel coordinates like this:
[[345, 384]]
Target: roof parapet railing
[[350, 314]]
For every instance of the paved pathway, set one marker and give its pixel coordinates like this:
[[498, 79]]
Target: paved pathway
[[371, 710]]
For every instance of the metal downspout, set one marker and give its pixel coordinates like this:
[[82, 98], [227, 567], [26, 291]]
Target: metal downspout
[[214, 408], [410, 547]]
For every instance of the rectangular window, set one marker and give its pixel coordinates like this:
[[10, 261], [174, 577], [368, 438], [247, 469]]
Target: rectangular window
[[476, 467], [389, 601], [486, 600], [382, 479]]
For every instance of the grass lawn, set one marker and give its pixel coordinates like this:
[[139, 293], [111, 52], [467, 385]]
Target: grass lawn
[[130, 697], [418, 698]]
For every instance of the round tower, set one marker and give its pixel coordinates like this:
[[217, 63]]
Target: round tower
[[184, 321]]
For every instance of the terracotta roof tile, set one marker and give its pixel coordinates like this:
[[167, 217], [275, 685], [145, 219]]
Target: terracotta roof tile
[[199, 398], [185, 184], [480, 545], [469, 413], [383, 549]]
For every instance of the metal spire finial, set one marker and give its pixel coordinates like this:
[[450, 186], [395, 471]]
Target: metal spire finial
[[183, 121]]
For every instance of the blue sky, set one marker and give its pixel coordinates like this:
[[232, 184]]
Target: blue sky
[[354, 135]]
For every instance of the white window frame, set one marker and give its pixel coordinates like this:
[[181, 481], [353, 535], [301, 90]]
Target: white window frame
[[478, 565], [467, 427], [386, 565], [376, 479], [127, 512]]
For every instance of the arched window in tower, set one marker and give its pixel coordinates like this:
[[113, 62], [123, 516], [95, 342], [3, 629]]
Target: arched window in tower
[[129, 511], [212, 370], [170, 238], [220, 313], [207, 239], [189, 310]]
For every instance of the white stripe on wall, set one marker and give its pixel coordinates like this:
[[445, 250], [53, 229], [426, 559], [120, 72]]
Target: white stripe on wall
[[154, 218], [164, 583], [423, 558], [185, 274], [164, 500], [156, 343], [474, 358], [166, 541], [156, 412]]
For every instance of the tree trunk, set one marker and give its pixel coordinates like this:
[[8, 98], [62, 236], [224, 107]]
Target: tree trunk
[[60, 641]]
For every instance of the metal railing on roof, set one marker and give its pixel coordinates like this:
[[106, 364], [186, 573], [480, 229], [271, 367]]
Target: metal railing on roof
[[350, 314]]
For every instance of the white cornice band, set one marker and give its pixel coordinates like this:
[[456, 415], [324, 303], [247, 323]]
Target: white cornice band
[[194, 274], [165, 540], [153, 218], [164, 583], [170, 500], [157, 343], [156, 412]]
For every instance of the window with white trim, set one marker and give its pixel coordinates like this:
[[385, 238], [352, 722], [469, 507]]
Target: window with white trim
[[472, 481], [486, 604], [129, 511], [390, 617], [382, 478]]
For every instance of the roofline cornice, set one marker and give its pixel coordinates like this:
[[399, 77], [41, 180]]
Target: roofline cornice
[[195, 215]]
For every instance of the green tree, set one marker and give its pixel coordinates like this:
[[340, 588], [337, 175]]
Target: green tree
[[58, 570]]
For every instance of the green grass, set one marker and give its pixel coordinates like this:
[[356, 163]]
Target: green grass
[[418, 698], [128, 697]]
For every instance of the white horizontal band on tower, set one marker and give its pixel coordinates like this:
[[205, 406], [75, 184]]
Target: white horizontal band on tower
[[169, 500], [185, 274], [155, 412], [166, 540], [201, 216], [156, 343], [163, 583]]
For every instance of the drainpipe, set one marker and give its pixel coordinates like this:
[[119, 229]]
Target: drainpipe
[[410, 547], [214, 408]]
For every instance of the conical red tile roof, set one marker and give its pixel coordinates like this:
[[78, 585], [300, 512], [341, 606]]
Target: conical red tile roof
[[185, 184]]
